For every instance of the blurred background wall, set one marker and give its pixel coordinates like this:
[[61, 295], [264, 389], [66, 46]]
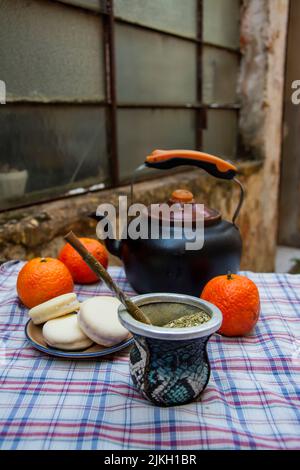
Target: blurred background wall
[[94, 86]]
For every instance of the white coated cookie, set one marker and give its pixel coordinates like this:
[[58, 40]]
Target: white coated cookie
[[98, 318], [65, 333], [54, 308]]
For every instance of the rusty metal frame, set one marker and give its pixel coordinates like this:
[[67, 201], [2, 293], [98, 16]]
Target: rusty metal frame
[[225, 106], [111, 94], [103, 104]]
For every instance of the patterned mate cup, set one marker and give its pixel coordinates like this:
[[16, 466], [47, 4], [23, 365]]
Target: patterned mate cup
[[170, 366]]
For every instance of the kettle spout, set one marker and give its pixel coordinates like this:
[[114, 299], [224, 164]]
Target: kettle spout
[[113, 245]]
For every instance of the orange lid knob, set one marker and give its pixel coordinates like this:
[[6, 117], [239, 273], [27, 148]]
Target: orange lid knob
[[182, 195]]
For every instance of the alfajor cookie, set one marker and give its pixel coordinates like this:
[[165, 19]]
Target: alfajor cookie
[[98, 318], [65, 333], [54, 308]]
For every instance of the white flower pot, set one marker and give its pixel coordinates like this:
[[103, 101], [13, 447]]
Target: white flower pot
[[13, 184]]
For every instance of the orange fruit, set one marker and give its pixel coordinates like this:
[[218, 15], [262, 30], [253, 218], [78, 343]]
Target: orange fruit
[[42, 279], [238, 299], [80, 271]]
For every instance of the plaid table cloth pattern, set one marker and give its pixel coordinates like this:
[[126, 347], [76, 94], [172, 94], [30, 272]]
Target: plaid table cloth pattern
[[251, 401]]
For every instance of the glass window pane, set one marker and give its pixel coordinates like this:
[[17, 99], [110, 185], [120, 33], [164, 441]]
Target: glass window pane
[[221, 22], [221, 134], [50, 51], [220, 70], [89, 4], [57, 146], [174, 16], [153, 68], [141, 131]]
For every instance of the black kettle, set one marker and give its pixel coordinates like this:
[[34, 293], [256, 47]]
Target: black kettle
[[165, 265]]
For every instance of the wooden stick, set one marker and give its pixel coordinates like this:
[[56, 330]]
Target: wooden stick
[[101, 272]]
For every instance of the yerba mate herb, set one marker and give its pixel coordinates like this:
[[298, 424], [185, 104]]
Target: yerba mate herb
[[194, 319]]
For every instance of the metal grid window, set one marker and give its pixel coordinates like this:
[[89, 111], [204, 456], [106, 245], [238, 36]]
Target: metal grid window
[[95, 85]]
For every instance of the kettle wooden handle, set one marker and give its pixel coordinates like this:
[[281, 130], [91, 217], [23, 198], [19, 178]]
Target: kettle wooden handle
[[215, 166]]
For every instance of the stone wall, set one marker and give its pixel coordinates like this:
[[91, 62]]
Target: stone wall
[[39, 230]]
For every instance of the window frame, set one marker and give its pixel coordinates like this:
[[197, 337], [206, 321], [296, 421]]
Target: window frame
[[106, 13]]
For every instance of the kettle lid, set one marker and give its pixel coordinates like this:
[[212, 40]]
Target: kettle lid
[[182, 195], [178, 200]]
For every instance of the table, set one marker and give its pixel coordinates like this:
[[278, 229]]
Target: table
[[251, 401]]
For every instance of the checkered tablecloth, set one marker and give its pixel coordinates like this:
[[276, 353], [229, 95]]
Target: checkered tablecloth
[[252, 400]]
